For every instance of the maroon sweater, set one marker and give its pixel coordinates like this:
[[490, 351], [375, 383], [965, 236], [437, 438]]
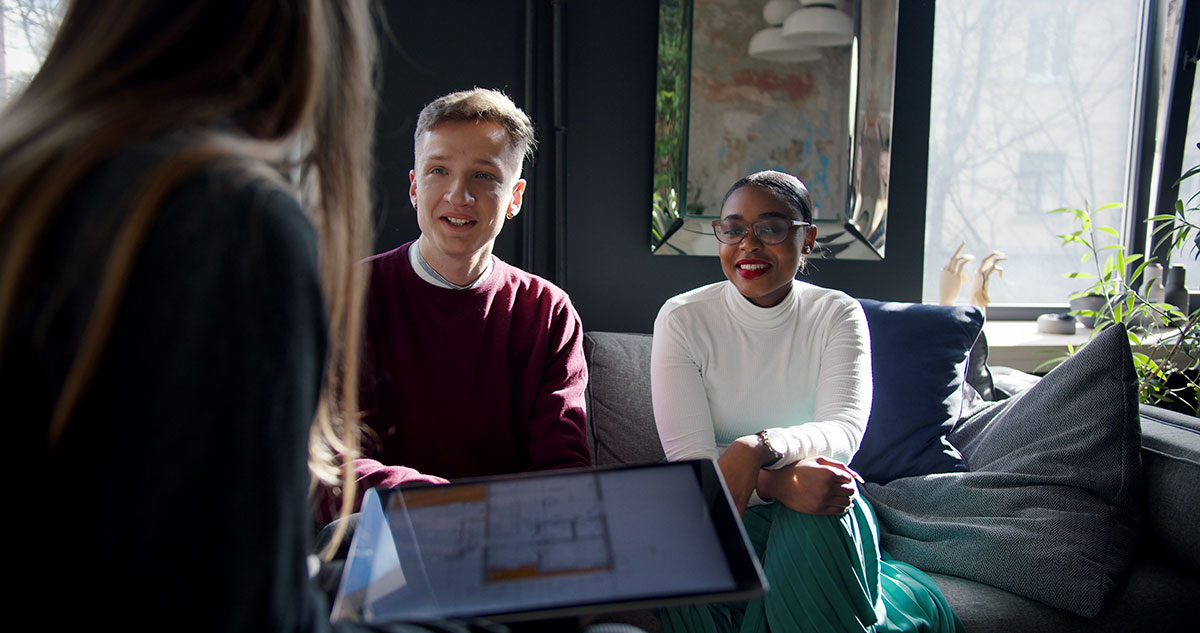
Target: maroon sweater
[[462, 383]]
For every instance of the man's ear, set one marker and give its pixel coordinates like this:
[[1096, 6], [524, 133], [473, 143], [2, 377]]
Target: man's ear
[[412, 188], [518, 195]]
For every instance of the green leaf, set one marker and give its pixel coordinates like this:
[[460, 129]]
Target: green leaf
[[1188, 174], [1078, 275], [1137, 272], [1109, 231]]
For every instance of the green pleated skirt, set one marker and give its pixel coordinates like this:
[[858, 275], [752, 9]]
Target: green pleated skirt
[[826, 574]]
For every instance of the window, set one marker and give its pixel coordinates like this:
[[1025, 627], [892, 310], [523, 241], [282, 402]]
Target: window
[[1048, 46], [1006, 146], [1040, 181], [1189, 188], [27, 28]]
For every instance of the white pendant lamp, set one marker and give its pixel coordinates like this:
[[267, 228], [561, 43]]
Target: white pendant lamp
[[819, 23], [769, 44]]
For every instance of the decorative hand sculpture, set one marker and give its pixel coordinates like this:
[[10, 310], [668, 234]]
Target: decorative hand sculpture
[[953, 277], [979, 285]]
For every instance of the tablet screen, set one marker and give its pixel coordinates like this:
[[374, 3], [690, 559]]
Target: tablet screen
[[547, 544]]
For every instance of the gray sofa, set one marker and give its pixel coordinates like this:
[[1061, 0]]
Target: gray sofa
[[1157, 594]]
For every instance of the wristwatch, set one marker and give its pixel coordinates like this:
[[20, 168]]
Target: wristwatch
[[764, 438]]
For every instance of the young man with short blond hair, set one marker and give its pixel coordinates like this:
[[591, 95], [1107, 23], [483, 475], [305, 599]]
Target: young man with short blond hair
[[473, 367]]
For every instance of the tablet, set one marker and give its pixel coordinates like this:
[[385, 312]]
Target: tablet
[[548, 544]]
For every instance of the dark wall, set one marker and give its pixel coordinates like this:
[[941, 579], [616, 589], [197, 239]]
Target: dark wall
[[592, 176], [429, 49]]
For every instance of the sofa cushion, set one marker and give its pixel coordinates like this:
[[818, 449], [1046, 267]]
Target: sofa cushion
[[1050, 508], [979, 375], [987, 609], [1171, 468], [1148, 601], [918, 363], [620, 415]]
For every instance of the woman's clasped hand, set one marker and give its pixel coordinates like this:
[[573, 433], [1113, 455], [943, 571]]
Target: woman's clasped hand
[[812, 486]]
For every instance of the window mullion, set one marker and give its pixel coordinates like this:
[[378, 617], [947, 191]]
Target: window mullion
[[1169, 158], [1143, 123]]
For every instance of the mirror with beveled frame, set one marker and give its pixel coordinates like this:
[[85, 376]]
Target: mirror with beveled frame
[[813, 100]]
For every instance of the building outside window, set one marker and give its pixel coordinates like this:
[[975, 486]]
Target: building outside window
[[1040, 180], [1007, 146], [1048, 49]]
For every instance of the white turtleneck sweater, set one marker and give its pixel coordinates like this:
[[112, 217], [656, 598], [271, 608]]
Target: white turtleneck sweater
[[722, 368]]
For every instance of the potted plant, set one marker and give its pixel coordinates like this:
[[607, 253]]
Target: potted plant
[[1166, 341], [1106, 298]]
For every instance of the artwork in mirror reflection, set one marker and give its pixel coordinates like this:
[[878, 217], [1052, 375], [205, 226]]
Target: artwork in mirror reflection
[[722, 114]]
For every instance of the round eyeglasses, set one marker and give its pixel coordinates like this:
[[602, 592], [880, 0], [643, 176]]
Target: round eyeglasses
[[770, 231]]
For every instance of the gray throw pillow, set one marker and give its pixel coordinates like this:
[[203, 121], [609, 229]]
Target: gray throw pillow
[[621, 427], [1050, 505]]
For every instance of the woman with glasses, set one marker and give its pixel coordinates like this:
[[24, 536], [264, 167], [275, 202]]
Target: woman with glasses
[[771, 377]]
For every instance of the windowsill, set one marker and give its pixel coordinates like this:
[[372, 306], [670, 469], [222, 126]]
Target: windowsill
[[1030, 311], [1019, 345]]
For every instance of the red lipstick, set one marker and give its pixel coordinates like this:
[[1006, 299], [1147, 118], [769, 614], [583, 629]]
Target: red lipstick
[[751, 268]]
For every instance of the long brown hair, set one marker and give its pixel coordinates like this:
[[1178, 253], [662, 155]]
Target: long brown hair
[[242, 83]]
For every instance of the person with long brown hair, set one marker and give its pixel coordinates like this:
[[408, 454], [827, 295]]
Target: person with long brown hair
[[184, 200]]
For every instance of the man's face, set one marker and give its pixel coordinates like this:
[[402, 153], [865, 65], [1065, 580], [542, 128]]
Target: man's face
[[465, 183]]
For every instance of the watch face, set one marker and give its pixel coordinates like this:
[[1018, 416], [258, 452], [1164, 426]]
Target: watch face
[[774, 442], [777, 442]]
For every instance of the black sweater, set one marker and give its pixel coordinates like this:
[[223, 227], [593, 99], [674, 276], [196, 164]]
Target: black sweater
[[177, 497]]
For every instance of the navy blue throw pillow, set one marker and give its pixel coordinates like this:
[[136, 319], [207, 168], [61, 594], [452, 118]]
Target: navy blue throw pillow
[[918, 364]]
